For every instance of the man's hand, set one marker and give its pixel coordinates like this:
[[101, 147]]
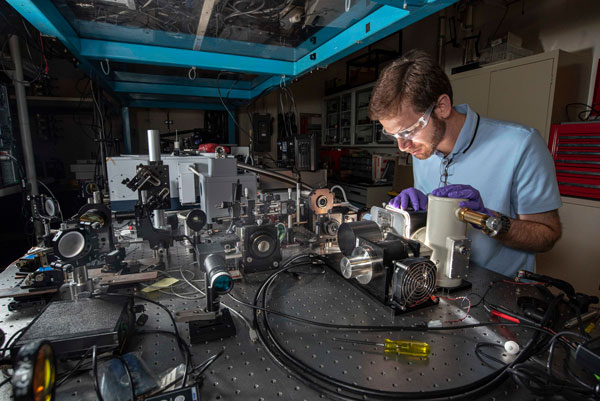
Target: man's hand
[[474, 201], [528, 232], [410, 197]]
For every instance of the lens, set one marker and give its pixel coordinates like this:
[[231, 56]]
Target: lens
[[43, 374], [223, 283], [34, 372], [71, 244]]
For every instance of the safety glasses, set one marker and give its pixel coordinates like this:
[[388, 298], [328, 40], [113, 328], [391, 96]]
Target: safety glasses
[[413, 130]]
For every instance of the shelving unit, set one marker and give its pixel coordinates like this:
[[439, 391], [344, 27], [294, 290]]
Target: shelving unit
[[361, 131]]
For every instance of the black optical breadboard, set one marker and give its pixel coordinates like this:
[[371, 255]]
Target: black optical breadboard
[[73, 327]]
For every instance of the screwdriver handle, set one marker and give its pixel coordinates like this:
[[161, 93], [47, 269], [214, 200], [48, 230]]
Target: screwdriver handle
[[404, 347]]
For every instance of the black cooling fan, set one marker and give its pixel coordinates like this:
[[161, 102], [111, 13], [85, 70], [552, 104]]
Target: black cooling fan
[[413, 283]]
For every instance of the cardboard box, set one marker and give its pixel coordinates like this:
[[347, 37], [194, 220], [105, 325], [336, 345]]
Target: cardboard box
[[403, 176], [380, 162]]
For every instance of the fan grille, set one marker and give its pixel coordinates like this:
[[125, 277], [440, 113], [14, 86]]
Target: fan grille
[[417, 282]]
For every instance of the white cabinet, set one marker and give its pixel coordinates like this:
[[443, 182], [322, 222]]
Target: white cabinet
[[533, 90], [366, 195], [576, 256]]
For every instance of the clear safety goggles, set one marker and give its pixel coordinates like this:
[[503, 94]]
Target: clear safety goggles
[[415, 129]]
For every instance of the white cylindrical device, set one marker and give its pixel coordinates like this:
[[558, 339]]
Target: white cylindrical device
[[442, 224], [153, 145]]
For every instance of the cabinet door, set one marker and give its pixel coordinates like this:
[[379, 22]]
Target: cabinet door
[[575, 256], [332, 127], [363, 126], [473, 90], [522, 94], [346, 118]]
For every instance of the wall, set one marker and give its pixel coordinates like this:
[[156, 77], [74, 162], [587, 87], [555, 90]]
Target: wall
[[573, 26]]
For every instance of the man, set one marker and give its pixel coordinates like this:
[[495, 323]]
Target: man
[[501, 168]]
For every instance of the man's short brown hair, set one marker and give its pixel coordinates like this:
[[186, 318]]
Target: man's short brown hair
[[414, 79]]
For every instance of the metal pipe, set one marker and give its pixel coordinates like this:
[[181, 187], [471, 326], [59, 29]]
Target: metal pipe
[[153, 145], [441, 37], [97, 197], [193, 170], [126, 129], [24, 126], [273, 174], [298, 203]]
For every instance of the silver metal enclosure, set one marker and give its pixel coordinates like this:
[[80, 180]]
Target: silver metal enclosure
[[214, 184]]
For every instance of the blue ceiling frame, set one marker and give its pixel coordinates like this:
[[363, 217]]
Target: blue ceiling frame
[[274, 65]]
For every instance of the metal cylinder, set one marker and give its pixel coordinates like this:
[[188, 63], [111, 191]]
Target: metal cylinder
[[214, 263], [218, 280], [158, 219], [470, 216], [81, 285], [24, 126], [359, 265], [126, 130], [348, 233], [441, 36], [298, 203], [80, 275], [273, 174], [97, 196], [153, 145]]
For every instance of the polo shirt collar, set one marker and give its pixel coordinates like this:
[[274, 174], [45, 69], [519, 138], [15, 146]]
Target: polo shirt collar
[[466, 133]]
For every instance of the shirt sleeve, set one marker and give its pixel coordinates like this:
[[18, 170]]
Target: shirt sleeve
[[534, 186]]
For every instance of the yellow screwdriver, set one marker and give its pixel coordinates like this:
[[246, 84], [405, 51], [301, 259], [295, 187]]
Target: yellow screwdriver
[[401, 347]]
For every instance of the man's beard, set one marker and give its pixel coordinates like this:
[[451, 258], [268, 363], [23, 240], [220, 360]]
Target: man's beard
[[439, 130]]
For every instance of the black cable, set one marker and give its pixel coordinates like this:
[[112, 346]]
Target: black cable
[[589, 109], [13, 339], [63, 379], [480, 354], [5, 381], [227, 108], [205, 365], [95, 373], [552, 343], [482, 298]]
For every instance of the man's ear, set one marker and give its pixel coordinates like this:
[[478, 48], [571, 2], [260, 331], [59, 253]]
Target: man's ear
[[444, 107]]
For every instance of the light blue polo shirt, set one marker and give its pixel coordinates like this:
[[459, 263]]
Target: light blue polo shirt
[[511, 167]]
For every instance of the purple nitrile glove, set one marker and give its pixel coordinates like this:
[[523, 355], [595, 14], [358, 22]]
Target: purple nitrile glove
[[410, 196], [474, 201]]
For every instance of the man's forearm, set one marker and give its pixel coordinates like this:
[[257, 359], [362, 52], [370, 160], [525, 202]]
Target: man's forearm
[[530, 236]]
